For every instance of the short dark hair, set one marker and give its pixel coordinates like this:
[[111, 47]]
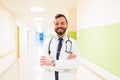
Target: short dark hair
[[61, 15]]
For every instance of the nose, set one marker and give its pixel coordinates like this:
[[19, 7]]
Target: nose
[[59, 25]]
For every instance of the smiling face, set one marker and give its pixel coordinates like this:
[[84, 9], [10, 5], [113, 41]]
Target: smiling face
[[60, 26]]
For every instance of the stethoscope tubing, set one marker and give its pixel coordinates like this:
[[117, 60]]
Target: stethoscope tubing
[[49, 51]]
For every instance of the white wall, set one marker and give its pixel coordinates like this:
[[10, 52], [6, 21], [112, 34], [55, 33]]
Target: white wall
[[7, 39], [8, 43], [92, 13]]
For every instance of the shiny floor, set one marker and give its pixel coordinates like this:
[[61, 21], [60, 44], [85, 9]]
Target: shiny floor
[[28, 68]]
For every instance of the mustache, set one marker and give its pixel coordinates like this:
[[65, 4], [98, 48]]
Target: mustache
[[59, 32]]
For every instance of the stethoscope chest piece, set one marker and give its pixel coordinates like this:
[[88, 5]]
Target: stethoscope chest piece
[[68, 44]]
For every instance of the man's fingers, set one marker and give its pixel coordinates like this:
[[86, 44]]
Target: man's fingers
[[42, 62], [72, 56], [43, 57]]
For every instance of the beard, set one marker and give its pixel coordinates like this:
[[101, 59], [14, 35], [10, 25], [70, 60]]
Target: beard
[[60, 32]]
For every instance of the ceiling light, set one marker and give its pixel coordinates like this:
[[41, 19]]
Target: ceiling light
[[36, 9]]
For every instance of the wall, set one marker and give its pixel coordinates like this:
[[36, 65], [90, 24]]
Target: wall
[[98, 33], [72, 22], [72, 34], [7, 38]]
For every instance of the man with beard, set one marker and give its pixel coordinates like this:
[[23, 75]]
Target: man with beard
[[60, 58]]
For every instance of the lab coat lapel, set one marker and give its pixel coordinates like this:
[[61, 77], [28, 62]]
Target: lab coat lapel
[[53, 50]]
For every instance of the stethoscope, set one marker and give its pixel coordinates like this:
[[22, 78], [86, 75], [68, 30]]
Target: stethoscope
[[66, 43]]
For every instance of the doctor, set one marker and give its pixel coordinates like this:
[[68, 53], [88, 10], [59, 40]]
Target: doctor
[[60, 58]]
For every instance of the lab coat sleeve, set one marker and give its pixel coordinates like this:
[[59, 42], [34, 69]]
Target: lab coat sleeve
[[44, 51], [72, 63]]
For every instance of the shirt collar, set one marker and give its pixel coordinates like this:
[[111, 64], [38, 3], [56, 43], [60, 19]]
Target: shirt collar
[[64, 37]]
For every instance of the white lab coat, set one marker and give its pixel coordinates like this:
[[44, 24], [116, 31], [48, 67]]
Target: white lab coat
[[66, 68]]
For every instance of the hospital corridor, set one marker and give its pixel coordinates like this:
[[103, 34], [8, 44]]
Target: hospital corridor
[[25, 25]]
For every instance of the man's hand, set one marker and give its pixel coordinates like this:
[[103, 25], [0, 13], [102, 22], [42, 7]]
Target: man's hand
[[71, 56], [46, 61]]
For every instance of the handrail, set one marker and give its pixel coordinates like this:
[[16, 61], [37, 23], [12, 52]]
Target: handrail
[[5, 54], [93, 71]]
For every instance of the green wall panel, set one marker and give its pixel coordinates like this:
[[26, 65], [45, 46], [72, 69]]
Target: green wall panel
[[72, 34], [101, 45]]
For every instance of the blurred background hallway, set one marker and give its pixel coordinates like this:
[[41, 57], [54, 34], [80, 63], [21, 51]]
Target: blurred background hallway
[[26, 24]]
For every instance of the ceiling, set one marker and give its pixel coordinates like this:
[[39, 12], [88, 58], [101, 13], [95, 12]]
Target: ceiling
[[21, 8]]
